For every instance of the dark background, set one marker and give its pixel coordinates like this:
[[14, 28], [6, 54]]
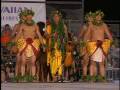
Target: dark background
[[109, 7]]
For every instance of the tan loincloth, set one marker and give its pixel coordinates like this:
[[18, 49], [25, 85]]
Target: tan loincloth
[[23, 46], [98, 56]]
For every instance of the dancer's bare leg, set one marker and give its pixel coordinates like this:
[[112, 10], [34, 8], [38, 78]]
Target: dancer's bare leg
[[18, 65], [66, 73], [33, 66], [93, 68], [85, 64], [23, 62], [84, 70], [28, 67], [37, 69], [102, 69], [54, 78]]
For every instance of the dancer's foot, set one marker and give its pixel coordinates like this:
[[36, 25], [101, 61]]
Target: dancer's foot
[[93, 79], [101, 79], [84, 78]]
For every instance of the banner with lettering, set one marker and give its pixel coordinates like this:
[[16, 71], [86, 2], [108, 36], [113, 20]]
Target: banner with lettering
[[10, 12]]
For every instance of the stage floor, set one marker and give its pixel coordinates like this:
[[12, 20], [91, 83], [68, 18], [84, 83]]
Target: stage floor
[[60, 86]]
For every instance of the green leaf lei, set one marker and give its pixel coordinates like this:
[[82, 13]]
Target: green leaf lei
[[60, 35], [95, 22], [30, 23]]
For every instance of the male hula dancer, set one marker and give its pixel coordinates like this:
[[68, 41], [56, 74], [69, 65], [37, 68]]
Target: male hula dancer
[[22, 17], [83, 48], [29, 45], [57, 32], [98, 46]]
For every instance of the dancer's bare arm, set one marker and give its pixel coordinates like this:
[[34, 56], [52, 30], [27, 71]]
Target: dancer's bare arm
[[39, 34], [66, 31], [14, 30], [48, 32], [88, 33], [19, 33], [107, 32]]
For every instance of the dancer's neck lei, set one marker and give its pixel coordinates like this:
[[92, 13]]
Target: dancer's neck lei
[[98, 23], [29, 23], [58, 35]]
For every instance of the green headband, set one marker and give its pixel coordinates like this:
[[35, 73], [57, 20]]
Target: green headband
[[30, 12], [23, 13], [99, 12], [90, 14]]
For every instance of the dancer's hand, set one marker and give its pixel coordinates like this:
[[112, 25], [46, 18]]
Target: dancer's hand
[[47, 35], [44, 47], [112, 43], [14, 49], [99, 43], [48, 64]]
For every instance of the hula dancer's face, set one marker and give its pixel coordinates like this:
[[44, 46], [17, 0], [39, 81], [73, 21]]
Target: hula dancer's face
[[56, 18], [24, 17], [98, 17], [90, 19], [29, 17]]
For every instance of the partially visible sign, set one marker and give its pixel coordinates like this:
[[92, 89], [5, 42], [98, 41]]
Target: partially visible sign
[[10, 12]]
